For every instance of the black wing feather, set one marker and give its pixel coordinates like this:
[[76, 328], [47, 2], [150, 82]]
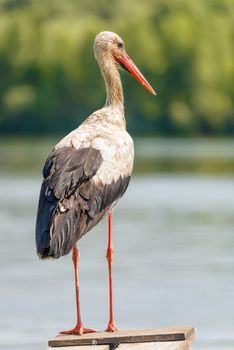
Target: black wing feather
[[70, 202], [63, 173]]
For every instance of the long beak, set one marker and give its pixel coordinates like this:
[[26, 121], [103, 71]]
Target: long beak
[[126, 62]]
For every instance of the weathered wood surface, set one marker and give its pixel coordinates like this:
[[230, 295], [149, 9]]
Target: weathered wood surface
[[170, 335], [172, 345], [84, 347], [143, 346]]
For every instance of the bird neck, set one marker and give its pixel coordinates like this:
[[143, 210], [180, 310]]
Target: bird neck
[[114, 91]]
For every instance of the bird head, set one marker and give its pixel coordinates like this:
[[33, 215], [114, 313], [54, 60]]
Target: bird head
[[111, 46]]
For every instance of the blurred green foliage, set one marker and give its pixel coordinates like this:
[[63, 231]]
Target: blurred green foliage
[[26, 156], [49, 80]]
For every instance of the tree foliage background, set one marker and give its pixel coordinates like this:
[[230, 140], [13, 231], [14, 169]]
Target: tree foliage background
[[50, 81]]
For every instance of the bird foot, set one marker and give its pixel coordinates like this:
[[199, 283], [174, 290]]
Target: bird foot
[[78, 330], [111, 328]]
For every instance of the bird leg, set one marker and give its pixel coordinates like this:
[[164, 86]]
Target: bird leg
[[110, 257], [79, 328]]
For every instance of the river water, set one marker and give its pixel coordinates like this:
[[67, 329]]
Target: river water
[[174, 263]]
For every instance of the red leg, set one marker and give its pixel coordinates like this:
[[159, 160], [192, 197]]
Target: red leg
[[79, 328], [110, 256]]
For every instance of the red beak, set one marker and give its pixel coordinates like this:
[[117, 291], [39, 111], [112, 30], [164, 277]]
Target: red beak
[[126, 62]]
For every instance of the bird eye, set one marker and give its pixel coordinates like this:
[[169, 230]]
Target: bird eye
[[120, 45]]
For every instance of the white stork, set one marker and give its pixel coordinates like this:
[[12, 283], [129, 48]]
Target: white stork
[[88, 171]]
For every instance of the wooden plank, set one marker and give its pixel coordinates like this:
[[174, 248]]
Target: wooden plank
[[172, 345], [130, 336], [85, 347]]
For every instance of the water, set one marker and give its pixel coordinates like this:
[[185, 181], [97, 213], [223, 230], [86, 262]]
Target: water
[[174, 263]]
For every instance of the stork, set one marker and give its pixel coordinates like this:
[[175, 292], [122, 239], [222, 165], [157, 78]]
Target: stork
[[88, 171]]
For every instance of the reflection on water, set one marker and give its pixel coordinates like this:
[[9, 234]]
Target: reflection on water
[[174, 263]]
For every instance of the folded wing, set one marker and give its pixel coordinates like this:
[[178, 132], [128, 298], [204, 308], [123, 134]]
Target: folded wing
[[71, 203]]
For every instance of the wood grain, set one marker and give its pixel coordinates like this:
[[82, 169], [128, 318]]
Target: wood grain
[[172, 345], [85, 347], [128, 336]]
